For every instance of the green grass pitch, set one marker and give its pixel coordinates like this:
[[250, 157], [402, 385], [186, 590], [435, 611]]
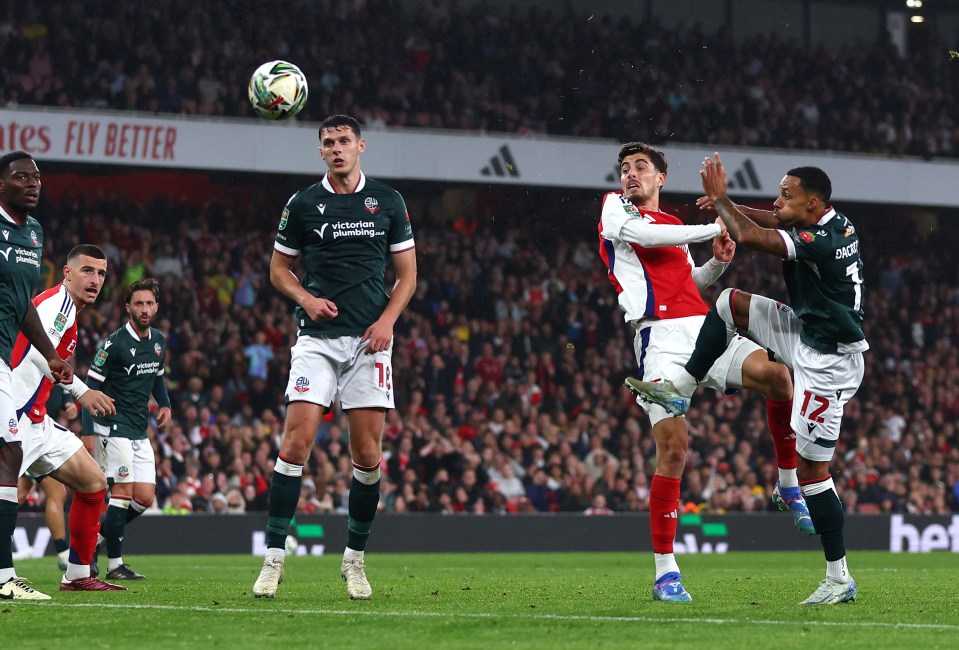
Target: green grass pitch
[[554, 600]]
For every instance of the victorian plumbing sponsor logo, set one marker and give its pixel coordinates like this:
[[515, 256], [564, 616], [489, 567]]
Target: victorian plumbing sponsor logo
[[348, 229]]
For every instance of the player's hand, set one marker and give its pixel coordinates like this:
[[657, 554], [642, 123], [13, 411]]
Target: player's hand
[[705, 204], [98, 403], [320, 309], [61, 370], [70, 410], [714, 178], [724, 248], [163, 417], [380, 336]]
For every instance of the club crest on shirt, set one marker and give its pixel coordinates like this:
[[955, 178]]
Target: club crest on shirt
[[371, 205], [302, 385], [101, 357], [34, 238], [849, 232], [12, 427], [807, 236], [157, 350]]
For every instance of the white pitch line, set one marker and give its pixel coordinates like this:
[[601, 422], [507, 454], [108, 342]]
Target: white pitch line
[[525, 617]]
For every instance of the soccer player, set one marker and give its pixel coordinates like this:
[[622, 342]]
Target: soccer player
[[345, 228], [21, 247], [820, 337], [128, 366], [647, 254], [50, 450]]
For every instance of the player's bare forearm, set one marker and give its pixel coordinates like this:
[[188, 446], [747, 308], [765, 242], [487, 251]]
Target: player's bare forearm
[[762, 218], [747, 232]]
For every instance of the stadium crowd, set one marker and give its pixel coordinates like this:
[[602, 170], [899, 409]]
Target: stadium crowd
[[508, 369], [558, 71]]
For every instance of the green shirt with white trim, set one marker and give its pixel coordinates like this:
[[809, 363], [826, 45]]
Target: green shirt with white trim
[[823, 273], [344, 241], [21, 247], [126, 367]]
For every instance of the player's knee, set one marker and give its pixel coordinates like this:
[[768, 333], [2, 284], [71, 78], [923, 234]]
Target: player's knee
[[778, 381]]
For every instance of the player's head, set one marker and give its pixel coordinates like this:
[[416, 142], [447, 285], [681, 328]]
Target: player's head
[[19, 182], [642, 172], [84, 274], [142, 301], [341, 143], [804, 194]]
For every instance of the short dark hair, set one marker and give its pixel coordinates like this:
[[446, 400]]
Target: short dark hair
[[335, 121], [86, 249], [8, 159], [814, 180], [146, 284], [657, 157]]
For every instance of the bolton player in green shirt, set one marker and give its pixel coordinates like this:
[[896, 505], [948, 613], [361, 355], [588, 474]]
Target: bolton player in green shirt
[[819, 336], [128, 366], [21, 247], [344, 228]]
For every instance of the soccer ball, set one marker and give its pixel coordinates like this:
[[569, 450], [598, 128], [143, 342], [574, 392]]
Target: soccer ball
[[277, 90], [291, 545]]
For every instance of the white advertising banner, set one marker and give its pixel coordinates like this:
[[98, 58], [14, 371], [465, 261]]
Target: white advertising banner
[[181, 142]]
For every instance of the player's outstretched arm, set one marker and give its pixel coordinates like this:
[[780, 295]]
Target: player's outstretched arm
[[741, 228], [762, 218]]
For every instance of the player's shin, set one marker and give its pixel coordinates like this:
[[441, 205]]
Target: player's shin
[[284, 494], [713, 338], [8, 522], [828, 517], [784, 440], [663, 521], [112, 526], [84, 526], [363, 500]]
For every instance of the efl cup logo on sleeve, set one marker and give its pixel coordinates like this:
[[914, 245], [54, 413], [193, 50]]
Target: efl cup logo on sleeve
[[101, 357], [284, 218], [59, 322]]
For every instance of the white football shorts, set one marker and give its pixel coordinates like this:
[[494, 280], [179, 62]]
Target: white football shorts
[[323, 368], [9, 423], [822, 382], [663, 347], [125, 460], [46, 446]]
